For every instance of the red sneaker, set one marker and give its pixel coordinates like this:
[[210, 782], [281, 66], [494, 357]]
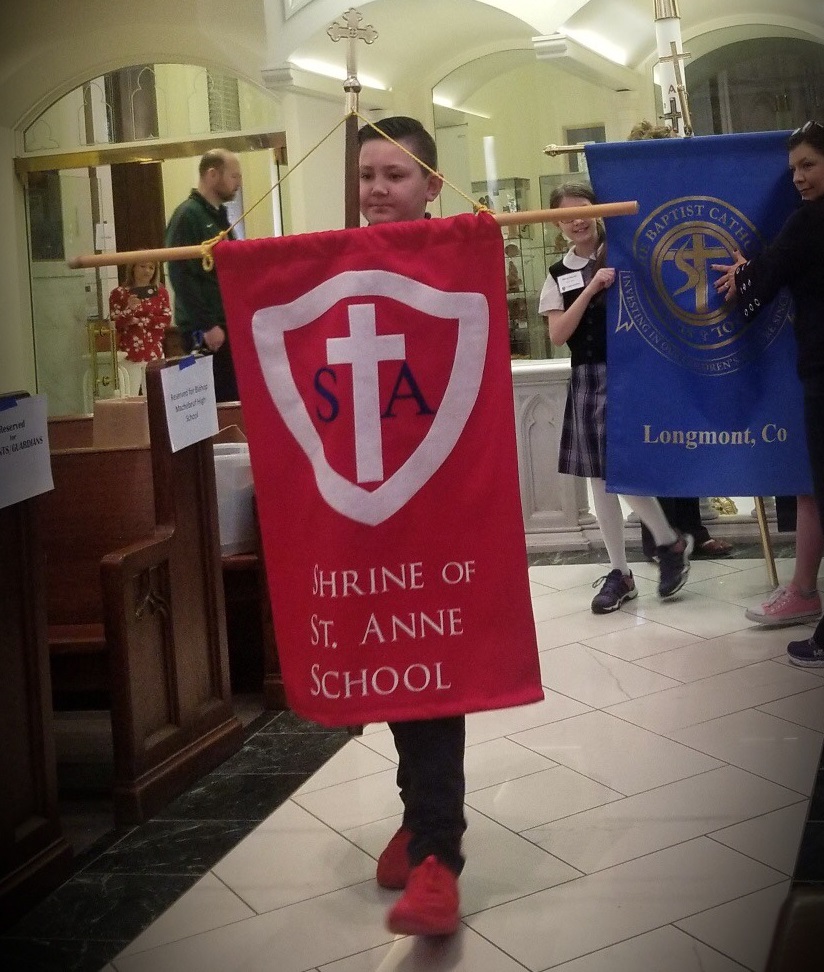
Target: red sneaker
[[393, 864], [430, 904]]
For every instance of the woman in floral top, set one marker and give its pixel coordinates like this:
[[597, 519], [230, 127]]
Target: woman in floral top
[[140, 312]]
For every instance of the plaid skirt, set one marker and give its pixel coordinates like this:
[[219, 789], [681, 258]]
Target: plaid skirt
[[583, 436]]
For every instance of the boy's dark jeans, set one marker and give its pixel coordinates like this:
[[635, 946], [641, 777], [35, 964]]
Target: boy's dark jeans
[[432, 785]]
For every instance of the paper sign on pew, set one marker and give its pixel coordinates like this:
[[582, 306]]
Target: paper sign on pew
[[25, 463], [189, 394]]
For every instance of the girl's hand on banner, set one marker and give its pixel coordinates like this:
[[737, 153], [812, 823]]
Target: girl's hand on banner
[[725, 285], [603, 278]]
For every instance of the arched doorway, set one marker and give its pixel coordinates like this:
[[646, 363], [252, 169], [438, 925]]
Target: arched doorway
[[759, 85], [103, 168]]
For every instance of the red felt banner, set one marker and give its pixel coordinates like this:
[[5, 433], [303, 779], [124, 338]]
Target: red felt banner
[[374, 374]]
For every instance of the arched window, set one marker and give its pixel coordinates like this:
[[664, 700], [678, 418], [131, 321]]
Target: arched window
[[764, 84], [104, 167]]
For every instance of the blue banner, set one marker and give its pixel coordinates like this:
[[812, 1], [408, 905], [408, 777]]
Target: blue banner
[[699, 402]]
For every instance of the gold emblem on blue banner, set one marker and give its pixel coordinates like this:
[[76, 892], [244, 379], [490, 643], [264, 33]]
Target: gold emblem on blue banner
[[670, 299]]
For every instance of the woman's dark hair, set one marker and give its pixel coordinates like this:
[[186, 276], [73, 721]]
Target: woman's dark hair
[[811, 133], [404, 129]]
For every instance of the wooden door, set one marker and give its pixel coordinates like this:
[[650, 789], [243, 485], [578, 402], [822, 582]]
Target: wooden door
[[139, 214]]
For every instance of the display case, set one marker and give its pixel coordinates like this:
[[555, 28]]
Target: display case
[[504, 196], [524, 266], [525, 276]]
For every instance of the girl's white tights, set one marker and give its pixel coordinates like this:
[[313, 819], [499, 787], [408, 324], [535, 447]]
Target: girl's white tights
[[611, 522]]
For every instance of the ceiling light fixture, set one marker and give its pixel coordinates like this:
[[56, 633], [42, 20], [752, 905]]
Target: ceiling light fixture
[[599, 45], [327, 70], [448, 103]]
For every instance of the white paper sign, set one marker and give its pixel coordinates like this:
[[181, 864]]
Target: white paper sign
[[25, 462], [191, 409]]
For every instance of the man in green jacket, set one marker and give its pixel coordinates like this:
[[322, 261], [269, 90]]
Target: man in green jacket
[[198, 307]]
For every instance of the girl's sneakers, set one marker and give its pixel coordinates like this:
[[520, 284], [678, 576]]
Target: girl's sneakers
[[785, 606]]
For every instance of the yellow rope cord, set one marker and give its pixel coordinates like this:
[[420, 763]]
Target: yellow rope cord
[[206, 245]]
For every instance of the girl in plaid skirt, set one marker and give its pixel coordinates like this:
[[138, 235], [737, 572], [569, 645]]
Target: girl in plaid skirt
[[573, 302]]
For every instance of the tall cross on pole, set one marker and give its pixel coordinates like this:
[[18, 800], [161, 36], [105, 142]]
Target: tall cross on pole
[[351, 31], [673, 116], [680, 89]]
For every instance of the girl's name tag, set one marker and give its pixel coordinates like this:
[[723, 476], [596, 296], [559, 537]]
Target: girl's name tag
[[571, 281]]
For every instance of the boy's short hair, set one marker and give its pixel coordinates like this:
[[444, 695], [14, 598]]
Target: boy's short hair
[[403, 128]]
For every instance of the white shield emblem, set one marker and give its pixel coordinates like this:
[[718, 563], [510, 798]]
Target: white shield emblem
[[269, 326]]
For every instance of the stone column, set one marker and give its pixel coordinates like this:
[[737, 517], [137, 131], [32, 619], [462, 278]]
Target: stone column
[[555, 506]]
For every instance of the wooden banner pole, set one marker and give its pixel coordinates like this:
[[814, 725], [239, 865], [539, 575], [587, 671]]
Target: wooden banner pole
[[168, 254], [566, 214], [162, 255]]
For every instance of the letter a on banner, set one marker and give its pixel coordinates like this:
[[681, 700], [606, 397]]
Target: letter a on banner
[[373, 367]]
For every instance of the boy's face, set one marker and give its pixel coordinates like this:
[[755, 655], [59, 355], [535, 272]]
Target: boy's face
[[393, 187]]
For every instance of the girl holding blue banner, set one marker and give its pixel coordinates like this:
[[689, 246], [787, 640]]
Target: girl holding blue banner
[[573, 302], [795, 260]]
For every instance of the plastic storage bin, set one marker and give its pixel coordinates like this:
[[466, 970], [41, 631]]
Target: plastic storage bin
[[235, 498]]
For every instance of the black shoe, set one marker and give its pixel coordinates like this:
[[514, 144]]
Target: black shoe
[[616, 589], [807, 653], [674, 565], [648, 547]]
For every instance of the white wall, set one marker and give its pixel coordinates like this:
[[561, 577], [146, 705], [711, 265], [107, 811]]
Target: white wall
[[17, 357], [315, 189], [453, 161], [530, 107]]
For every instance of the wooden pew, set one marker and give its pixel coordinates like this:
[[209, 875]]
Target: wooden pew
[[102, 500], [70, 431], [248, 610], [34, 855], [135, 608]]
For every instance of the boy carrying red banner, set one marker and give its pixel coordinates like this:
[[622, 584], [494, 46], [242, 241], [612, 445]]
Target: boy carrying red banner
[[373, 367], [424, 857]]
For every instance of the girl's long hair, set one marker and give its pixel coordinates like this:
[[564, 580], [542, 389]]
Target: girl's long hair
[[581, 190]]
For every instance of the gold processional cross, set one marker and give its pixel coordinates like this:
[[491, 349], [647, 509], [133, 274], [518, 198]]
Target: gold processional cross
[[351, 31]]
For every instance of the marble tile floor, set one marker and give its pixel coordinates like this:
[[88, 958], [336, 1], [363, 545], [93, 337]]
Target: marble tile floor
[[646, 817], [84, 756]]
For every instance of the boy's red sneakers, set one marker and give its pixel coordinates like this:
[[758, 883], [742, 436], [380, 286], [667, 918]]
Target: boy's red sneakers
[[393, 864], [430, 905]]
